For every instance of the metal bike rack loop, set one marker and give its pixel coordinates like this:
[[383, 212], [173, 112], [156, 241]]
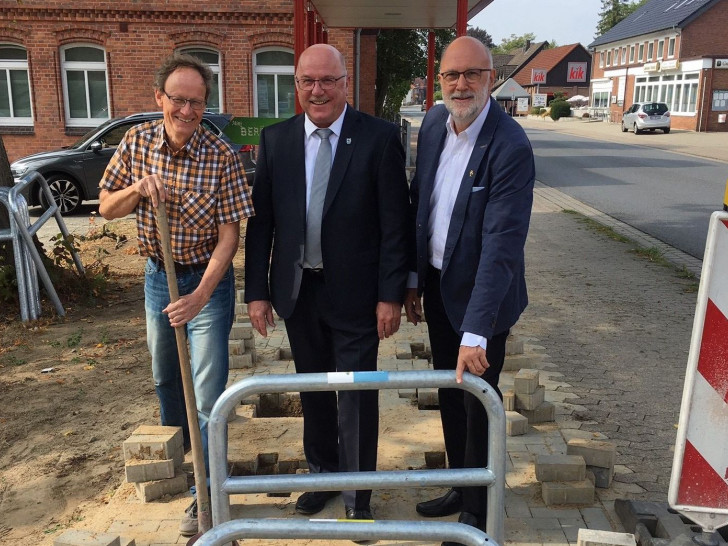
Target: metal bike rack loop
[[28, 262], [222, 485]]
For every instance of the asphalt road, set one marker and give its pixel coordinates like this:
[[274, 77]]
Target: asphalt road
[[666, 195]]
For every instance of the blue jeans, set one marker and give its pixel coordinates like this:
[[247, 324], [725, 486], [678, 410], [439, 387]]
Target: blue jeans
[[207, 335]]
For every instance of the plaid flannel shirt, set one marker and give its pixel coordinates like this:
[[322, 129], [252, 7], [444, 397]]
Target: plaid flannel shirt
[[205, 186]]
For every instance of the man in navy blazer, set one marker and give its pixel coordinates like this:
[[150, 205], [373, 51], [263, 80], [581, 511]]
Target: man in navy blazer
[[471, 202], [337, 309]]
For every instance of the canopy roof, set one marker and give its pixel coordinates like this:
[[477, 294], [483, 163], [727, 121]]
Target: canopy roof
[[394, 13], [510, 89]]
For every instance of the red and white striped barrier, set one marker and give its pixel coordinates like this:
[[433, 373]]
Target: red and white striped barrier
[[699, 481]]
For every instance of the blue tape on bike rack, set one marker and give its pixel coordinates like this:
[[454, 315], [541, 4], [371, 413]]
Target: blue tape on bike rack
[[356, 377]]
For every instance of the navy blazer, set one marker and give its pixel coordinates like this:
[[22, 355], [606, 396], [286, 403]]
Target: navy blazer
[[364, 230], [483, 274]]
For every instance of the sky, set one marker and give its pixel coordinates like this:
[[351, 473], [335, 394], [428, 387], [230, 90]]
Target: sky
[[566, 21]]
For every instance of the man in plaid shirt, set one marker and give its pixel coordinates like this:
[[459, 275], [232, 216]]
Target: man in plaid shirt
[[198, 177]]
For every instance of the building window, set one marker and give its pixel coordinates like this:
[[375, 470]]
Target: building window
[[15, 101], [641, 55], [624, 55], [720, 100], [650, 50], [212, 59], [85, 90], [600, 99], [660, 49], [631, 54], [678, 91], [601, 59], [671, 48], [609, 58], [273, 82]]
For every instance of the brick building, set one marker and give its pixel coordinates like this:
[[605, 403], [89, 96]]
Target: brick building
[[564, 69], [64, 70], [673, 51]]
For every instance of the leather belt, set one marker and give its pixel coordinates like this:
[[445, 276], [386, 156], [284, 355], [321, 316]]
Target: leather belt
[[316, 271], [182, 268]]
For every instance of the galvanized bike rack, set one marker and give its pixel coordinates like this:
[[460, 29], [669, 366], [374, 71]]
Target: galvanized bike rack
[[28, 263], [222, 485]]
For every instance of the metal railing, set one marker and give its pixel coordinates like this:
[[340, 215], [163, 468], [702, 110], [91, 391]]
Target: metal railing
[[222, 485], [28, 262]]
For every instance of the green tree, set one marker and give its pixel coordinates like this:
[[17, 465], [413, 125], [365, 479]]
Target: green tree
[[402, 56], [480, 34], [613, 11], [514, 42]]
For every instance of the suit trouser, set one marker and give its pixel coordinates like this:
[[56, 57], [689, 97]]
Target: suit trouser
[[464, 419], [343, 436]]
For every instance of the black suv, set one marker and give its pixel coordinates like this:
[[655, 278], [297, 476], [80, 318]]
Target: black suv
[[74, 172]]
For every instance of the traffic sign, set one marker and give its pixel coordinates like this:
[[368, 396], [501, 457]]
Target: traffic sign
[[699, 480]]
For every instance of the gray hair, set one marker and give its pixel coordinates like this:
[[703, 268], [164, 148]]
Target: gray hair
[[182, 60]]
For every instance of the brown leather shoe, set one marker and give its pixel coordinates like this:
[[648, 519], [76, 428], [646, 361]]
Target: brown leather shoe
[[450, 503]]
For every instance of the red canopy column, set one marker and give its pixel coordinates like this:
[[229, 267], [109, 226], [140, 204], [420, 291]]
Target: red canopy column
[[299, 35], [461, 26]]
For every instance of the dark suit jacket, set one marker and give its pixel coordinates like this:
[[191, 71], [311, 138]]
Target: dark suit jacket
[[364, 232], [482, 280]]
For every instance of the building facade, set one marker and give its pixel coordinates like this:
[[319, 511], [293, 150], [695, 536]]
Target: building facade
[[64, 70], [672, 51], [563, 69]]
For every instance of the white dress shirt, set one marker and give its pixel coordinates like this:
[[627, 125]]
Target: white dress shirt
[[450, 171], [312, 143]]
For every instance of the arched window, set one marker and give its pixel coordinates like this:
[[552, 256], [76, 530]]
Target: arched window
[[15, 104], [274, 87], [212, 59], [85, 88]]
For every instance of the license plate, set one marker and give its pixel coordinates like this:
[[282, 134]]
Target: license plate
[[655, 117]]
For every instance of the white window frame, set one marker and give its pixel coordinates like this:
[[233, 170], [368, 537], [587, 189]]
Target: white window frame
[[6, 65], [85, 67], [216, 70], [276, 70], [631, 54], [661, 49], [650, 50], [671, 48], [641, 56], [678, 91]]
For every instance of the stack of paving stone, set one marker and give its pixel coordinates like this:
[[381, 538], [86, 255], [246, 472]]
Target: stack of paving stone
[[525, 403], [594, 537], [78, 537], [563, 480], [241, 344], [153, 458], [599, 456]]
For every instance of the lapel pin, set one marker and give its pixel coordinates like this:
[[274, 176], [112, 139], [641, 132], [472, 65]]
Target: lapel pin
[[348, 141], [472, 173]]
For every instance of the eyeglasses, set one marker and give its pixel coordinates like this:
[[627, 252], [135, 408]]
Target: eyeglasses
[[307, 84], [179, 102], [472, 75]]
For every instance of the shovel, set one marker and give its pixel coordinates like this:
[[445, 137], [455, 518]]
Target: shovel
[[204, 516]]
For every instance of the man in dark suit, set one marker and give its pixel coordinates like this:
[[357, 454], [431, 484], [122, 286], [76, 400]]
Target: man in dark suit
[[471, 199], [339, 259]]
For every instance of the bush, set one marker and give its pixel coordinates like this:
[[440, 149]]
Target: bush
[[560, 109], [536, 110]]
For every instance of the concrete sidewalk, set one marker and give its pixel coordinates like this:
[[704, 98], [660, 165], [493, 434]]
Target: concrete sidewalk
[[607, 329]]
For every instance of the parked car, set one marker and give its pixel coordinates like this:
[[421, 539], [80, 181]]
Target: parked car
[[74, 172], [643, 116]]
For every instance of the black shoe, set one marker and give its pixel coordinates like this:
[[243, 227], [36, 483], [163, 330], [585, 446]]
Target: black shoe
[[364, 514], [468, 519], [313, 501], [450, 503]]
